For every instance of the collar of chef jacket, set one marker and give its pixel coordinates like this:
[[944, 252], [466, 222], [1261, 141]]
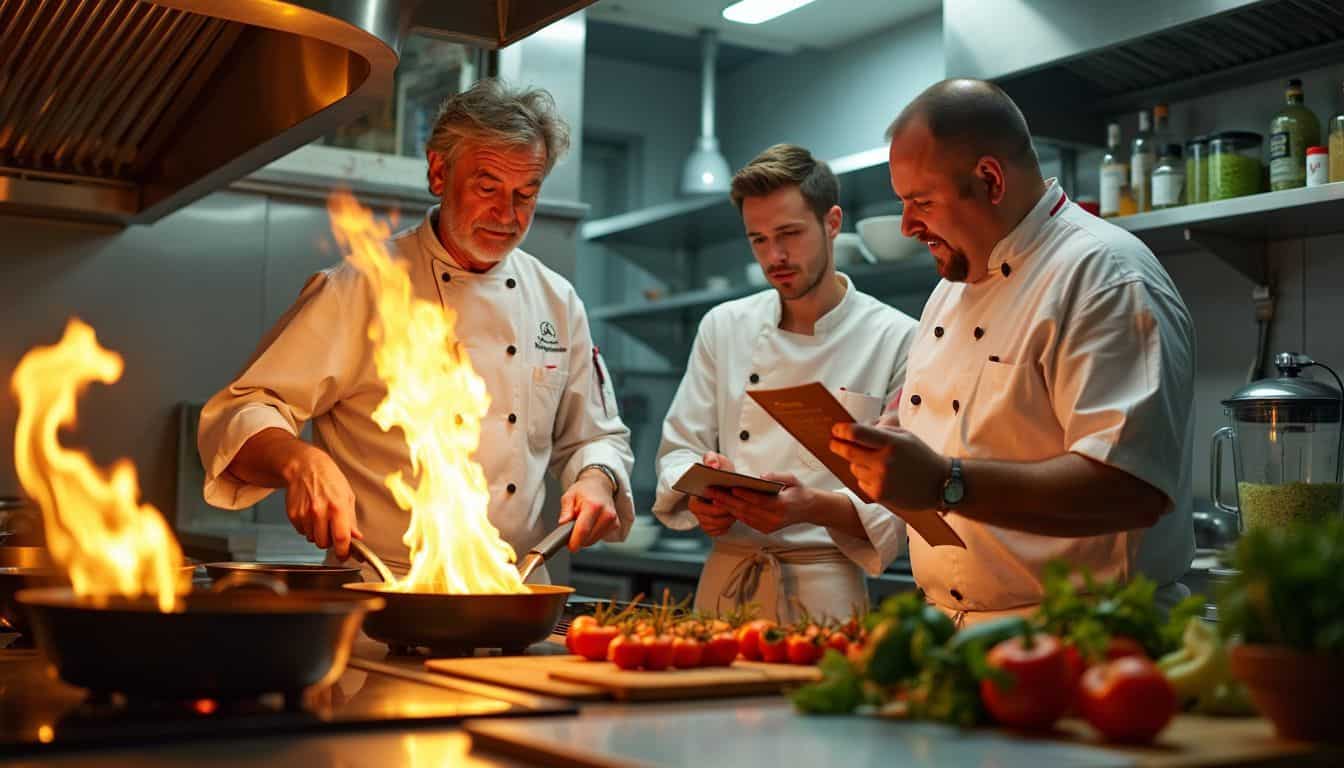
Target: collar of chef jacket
[[1024, 238], [428, 237], [827, 322]]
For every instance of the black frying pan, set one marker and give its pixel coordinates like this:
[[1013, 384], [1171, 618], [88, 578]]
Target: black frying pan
[[292, 575], [452, 625]]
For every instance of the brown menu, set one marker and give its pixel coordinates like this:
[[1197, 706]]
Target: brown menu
[[808, 413]]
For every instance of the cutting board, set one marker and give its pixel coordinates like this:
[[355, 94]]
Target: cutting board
[[572, 677]]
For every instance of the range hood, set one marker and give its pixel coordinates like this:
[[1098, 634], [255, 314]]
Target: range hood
[[123, 111]]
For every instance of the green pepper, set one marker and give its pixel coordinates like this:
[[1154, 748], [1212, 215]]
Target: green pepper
[[988, 634], [1198, 665], [886, 654]]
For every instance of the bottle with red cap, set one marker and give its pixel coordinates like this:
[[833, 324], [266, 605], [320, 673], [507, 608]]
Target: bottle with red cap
[[1318, 166]]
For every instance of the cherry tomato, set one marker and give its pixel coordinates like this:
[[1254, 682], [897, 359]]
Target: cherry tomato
[[721, 650], [687, 653], [773, 646], [749, 638], [1127, 700], [1120, 646], [575, 627], [592, 642], [658, 652], [626, 652], [803, 650], [1039, 688], [838, 641]]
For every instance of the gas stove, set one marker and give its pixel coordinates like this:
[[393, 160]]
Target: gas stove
[[39, 714]]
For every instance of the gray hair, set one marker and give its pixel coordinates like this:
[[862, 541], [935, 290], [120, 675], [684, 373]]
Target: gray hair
[[492, 112]]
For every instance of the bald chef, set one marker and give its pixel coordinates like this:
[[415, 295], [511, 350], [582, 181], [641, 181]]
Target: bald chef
[[551, 404]]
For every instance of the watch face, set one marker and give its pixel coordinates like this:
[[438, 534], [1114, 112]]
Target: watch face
[[953, 492]]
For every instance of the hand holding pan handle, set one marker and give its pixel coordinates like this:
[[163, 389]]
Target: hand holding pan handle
[[554, 542], [361, 552]]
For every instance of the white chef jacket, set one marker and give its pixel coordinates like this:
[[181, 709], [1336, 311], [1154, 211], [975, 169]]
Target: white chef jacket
[[1077, 341], [857, 350], [526, 332]]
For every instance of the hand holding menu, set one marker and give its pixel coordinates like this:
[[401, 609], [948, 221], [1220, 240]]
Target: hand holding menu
[[695, 480], [808, 413]]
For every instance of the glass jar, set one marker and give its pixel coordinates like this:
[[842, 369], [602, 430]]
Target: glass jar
[[1196, 170], [1337, 148], [1234, 164], [1169, 178]]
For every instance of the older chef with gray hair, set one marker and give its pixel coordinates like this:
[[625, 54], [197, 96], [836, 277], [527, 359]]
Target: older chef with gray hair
[[524, 327]]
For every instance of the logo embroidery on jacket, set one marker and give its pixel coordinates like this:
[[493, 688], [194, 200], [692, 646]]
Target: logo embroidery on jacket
[[548, 339]]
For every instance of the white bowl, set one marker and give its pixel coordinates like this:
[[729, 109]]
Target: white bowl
[[882, 235], [849, 250], [755, 275]]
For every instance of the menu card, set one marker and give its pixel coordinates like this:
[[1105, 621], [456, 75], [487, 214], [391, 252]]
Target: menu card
[[808, 412]]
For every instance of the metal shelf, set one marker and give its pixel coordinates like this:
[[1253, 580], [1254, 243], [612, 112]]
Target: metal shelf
[[696, 222], [1237, 230]]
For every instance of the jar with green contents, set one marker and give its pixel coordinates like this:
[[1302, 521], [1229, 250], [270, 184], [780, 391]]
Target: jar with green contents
[[1234, 164], [1196, 170]]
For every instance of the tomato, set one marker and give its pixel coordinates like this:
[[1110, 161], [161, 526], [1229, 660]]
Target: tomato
[[658, 651], [838, 641], [1040, 686], [1127, 700], [721, 650], [687, 653], [591, 642], [856, 654], [626, 652], [1120, 646], [749, 638], [773, 646], [802, 649], [576, 626]]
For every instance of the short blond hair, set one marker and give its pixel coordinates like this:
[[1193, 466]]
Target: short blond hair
[[493, 113], [786, 165]]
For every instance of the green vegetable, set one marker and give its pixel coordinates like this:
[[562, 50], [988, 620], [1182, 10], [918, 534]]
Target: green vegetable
[[1088, 618], [1289, 588], [839, 692], [886, 653], [1198, 665], [1228, 697], [990, 633]]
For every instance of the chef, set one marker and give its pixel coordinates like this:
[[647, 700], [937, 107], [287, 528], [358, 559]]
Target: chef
[[1047, 408], [809, 547], [523, 326]]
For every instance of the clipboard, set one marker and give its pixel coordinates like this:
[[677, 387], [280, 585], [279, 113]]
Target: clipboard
[[807, 413], [699, 476]]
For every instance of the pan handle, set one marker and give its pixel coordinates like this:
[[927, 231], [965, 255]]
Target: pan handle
[[361, 552], [243, 580], [554, 542]]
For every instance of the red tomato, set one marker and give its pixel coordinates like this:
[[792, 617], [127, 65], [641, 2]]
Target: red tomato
[[658, 652], [575, 627], [626, 652], [773, 646], [802, 649], [838, 641], [592, 642], [1120, 646], [749, 638], [1040, 687], [1128, 699], [687, 653], [721, 650]]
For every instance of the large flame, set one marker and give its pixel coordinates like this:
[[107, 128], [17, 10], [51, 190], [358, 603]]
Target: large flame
[[108, 543], [438, 401]]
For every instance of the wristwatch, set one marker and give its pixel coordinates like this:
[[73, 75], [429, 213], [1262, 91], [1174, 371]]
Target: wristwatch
[[954, 490], [604, 469]]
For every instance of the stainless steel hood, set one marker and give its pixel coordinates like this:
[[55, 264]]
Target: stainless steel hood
[[122, 111]]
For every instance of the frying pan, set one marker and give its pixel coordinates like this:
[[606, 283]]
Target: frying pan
[[453, 625], [292, 575], [222, 645]]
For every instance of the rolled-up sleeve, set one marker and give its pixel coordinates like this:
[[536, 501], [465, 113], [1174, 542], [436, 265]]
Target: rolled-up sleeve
[[1123, 382], [689, 431], [300, 370], [588, 427]]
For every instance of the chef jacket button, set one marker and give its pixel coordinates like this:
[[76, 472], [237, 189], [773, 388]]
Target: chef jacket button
[[916, 400], [447, 278], [512, 350], [955, 595], [744, 435], [511, 488], [511, 283], [513, 418], [956, 406], [938, 332], [754, 379], [1005, 269], [979, 332], [993, 358]]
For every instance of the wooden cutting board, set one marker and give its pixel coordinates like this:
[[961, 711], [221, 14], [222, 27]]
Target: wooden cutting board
[[572, 677]]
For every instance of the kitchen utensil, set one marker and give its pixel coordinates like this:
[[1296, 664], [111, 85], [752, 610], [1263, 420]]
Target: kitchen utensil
[[882, 235], [1286, 450], [221, 645], [457, 624], [292, 575], [849, 250]]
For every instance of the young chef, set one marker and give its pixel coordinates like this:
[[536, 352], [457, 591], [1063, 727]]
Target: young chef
[[809, 546], [1047, 409], [551, 405]]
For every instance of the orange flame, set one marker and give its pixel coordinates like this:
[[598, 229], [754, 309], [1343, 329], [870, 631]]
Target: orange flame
[[107, 542], [438, 401]]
